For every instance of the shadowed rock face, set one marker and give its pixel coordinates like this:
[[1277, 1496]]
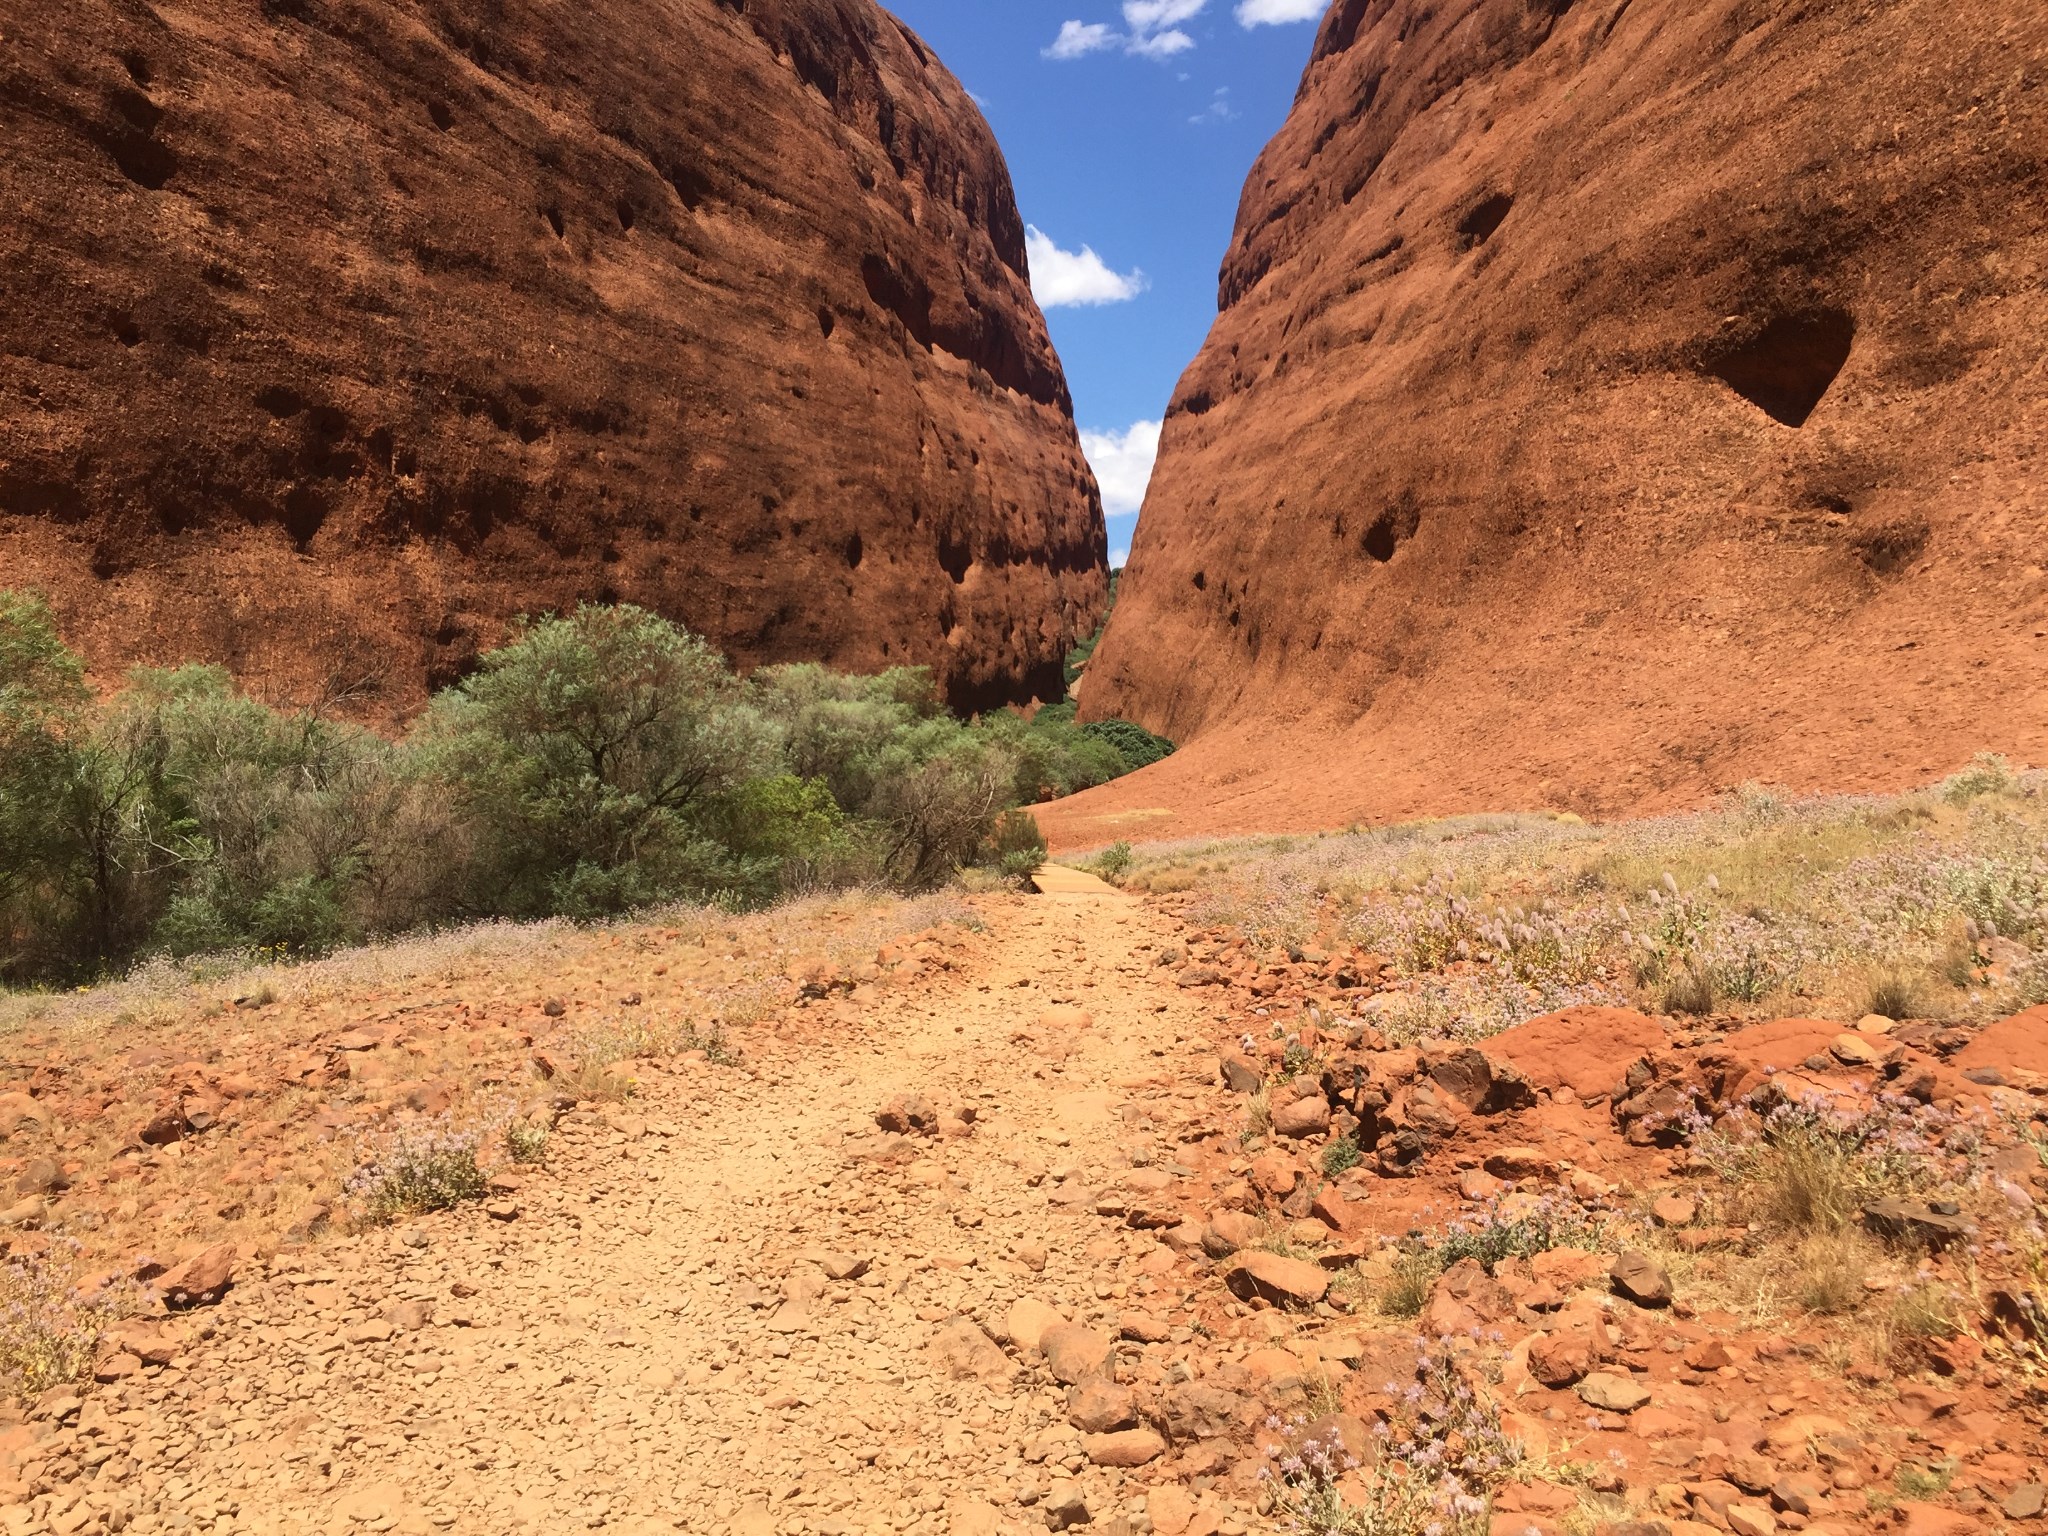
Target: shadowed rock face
[[1611, 401], [336, 333]]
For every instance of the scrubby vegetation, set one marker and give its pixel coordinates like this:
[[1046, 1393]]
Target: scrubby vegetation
[[1926, 905], [601, 762]]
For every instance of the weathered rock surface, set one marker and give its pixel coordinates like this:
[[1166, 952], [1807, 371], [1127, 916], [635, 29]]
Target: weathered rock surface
[[336, 335], [1608, 402]]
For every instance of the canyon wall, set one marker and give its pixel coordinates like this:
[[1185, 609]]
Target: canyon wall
[[1610, 402], [335, 334]]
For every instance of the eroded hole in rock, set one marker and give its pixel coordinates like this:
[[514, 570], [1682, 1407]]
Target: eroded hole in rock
[[1477, 227], [625, 214], [554, 218], [854, 551], [1889, 549], [1201, 580], [106, 564], [145, 161], [827, 321], [137, 67], [127, 332], [281, 400], [440, 116], [1787, 367], [690, 186], [305, 509], [955, 557], [1393, 527]]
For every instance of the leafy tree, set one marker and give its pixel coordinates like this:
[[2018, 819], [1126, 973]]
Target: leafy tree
[[589, 754]]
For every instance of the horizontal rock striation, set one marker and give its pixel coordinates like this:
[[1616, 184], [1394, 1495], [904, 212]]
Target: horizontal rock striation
[[334, 334]]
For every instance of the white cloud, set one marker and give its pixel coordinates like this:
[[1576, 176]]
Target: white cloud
[[1277, 13], [1077, 40], [1160, 45], [1154, 31], [1122, 462], [1219, 109], [1064, 278], [1151, 15]]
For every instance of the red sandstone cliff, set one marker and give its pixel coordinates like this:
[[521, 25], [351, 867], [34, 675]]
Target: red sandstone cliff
[[1610, 402], [335, 333]]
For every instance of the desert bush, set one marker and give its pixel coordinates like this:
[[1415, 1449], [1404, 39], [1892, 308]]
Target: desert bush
[[416, 1170], [1016, 845], [1987, 774], [1405, 1290], [1831, 1266], [1432, 1473], [1893, 993], [1810, 1167], [1492, 1235], [526, 1141], [1691, 992], [50, 1329], [600, 762], [590, 753], [1341, 1155], [1114, 862]]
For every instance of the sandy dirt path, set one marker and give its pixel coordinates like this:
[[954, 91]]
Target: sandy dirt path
[[658, 1340]]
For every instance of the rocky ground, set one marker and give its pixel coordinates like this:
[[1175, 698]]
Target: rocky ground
[[1030, 1227]]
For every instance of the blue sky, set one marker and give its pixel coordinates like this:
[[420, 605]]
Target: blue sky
[[1129, 126]]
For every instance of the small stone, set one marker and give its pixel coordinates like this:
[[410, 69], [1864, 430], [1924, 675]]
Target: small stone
[[199, 1281], [1074, 1352], [1674, 1210], [1028, 1322], [502, 1210], [1099, 1407], [1751, 1520], [1477, 1184], [1144, 1328], [1854, 1051], [1064, 1507], [1708, 1355], [961, 1351], [1875, 1024], [554, 1007], [1641, 1279], [1239, 1075], [375, 1331], [1032, 1256], [1287, 1281], [2026, 1501], [409, 1316], [1559, 1359], [1307, 1116], [1612, 1393], [1520, 1163], [1125, 1448]]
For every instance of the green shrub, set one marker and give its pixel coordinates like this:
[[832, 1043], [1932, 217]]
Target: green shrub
[[600, 762], [590, 754], [1340, 1156], [1138, 747], [1114, 862]]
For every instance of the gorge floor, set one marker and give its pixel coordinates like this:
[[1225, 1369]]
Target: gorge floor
[[619, 1353]]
